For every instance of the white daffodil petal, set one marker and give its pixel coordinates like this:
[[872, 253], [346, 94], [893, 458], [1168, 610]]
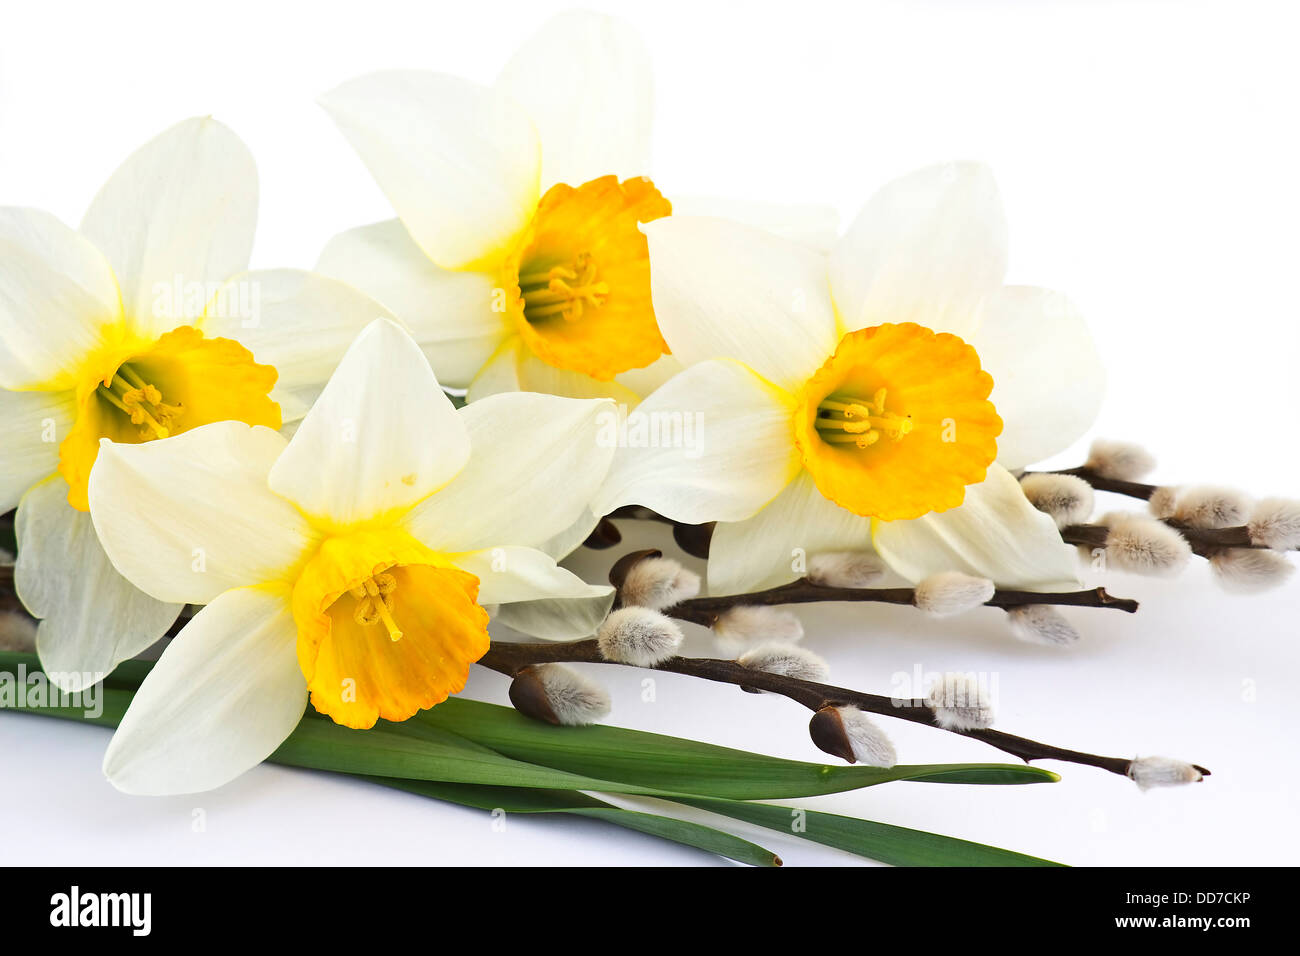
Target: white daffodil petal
[[538, 376], [382, 435], [773, 547], [190, 517], [537, 597], [57, 297], [814, 226], [92, 618], [449, 314], [294, 406], [584, 78], [1048, 379], [510, 574], [32, 424], [175, 221], [561, 545], [536, 462], [996, 534], [930, 247], [714, 444], [460, 162], [223, 696], [500, 373], [723, 290], [295, 320], [555, 619], [643, 381]]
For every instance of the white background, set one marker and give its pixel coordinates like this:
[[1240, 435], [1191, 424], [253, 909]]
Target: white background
[[1148, 157]]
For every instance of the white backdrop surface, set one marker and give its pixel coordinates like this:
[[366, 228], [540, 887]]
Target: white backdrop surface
[[1147, 154]]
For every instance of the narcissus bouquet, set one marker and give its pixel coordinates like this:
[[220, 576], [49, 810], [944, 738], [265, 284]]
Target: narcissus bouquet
[[327, 495]]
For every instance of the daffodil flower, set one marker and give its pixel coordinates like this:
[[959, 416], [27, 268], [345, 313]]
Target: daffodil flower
[[863, 396], [139, 326], [351, 563], [543, 289], [518, 256]]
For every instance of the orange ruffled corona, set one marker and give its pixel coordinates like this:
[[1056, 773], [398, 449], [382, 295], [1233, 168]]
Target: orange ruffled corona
[[386, 627], [136, 393], [897, 422], [580, 282]]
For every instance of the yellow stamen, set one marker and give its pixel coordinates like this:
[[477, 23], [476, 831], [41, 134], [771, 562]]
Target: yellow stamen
[[375, 603], [544, 278], [130, 374], [862, 441], [140, 401], [394, 633], [563, 291], [859, 422]]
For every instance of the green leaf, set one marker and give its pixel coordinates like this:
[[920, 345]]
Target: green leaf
[[515, 750], [898, 846], [382, 752], [320, 744], [516, 800], [513, 799], [422, 757], [129, 675], [687, 766]]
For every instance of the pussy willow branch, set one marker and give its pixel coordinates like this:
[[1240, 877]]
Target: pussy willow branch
[[1204, 541], [511, 659], [694, 539], [1131, 489], [706, 610]]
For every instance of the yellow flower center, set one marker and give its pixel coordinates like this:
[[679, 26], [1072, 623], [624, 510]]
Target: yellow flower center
[[140, 402], [580, 278], [141, 391], [374, 597], [858, 422], [386, 627], [926, 432], [562, 290]]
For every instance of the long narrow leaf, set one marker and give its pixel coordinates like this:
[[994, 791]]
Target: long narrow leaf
[[437, 762], [688, 766], [524, 752], [512, 799], [898, 846], [515, 800]]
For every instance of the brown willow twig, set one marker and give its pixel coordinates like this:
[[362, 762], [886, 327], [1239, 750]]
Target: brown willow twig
[[1204, 541], [706, 610], [513, 659], [1131, 489]]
